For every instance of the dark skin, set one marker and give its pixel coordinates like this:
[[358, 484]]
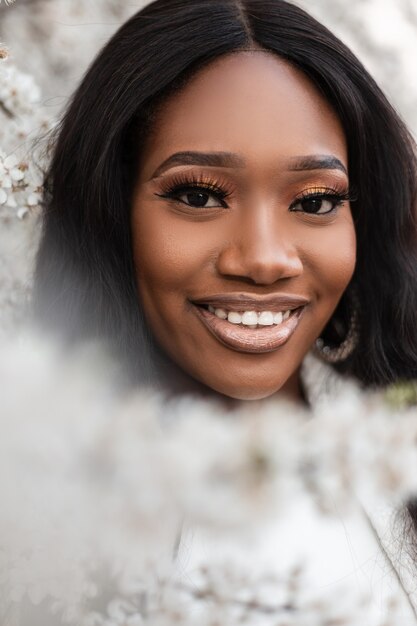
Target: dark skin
[[285, 226]]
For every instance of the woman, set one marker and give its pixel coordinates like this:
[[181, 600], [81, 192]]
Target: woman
[[90, 262], [230, 190]]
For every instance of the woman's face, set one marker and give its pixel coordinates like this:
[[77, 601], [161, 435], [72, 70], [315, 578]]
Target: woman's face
[[241, 203]]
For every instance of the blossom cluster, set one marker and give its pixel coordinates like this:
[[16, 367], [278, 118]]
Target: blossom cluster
[[22, 122], [96, 486], [14, 184]]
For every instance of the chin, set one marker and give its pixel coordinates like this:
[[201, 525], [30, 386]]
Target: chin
[[246, 392], [254, 395]]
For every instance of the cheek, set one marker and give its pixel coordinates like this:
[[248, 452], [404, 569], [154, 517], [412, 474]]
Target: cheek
[[331, 257], [168, 253]]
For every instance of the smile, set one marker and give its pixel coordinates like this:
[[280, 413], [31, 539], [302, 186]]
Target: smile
[[251, 318], [250, 331]]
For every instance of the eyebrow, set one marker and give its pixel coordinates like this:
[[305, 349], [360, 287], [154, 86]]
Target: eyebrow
[[213, 159], [229, 159], [316, 162]]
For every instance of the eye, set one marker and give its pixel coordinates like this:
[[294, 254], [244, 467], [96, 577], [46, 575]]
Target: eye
[[199, 197], [319, 203]]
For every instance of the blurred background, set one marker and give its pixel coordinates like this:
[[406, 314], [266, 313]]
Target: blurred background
[[55, 40]]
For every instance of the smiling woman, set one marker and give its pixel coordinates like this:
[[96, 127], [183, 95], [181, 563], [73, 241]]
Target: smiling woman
[[221, 201], [243, 254], [230, 191]]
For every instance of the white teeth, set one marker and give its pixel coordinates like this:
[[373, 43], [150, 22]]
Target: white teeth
[[249, 318], [234, 318], [252, 319], [266, 318], [221, 313], [278, 317]]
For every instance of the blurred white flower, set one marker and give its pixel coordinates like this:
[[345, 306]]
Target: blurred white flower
[[22, 121], [19, 92], [106, 482]]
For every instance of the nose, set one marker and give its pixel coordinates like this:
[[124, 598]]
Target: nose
[[260, 250]]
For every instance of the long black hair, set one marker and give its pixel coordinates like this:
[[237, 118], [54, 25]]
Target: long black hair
[[85, 278]]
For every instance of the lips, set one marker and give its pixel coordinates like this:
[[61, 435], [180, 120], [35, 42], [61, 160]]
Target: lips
[[245, 339], [249, 302]]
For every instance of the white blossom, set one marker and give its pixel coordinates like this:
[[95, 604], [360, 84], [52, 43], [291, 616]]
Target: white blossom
[[106, 481], [22, 121]]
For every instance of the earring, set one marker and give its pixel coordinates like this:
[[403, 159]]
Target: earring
[[338, 353]]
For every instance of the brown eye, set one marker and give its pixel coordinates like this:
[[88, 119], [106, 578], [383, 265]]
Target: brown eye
[[317, 204], [199, 199]]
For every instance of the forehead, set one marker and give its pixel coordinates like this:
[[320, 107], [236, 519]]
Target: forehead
[[249, 102]]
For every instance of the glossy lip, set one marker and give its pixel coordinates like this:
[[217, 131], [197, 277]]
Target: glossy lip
[[249, 302], [245, 339]]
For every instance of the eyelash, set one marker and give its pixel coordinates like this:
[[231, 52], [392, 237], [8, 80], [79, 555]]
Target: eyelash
[[183, 184], [334, 195]]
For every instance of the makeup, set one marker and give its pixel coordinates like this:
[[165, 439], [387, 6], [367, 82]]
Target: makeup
[[242, 258], [245, 339], [195, 191]]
